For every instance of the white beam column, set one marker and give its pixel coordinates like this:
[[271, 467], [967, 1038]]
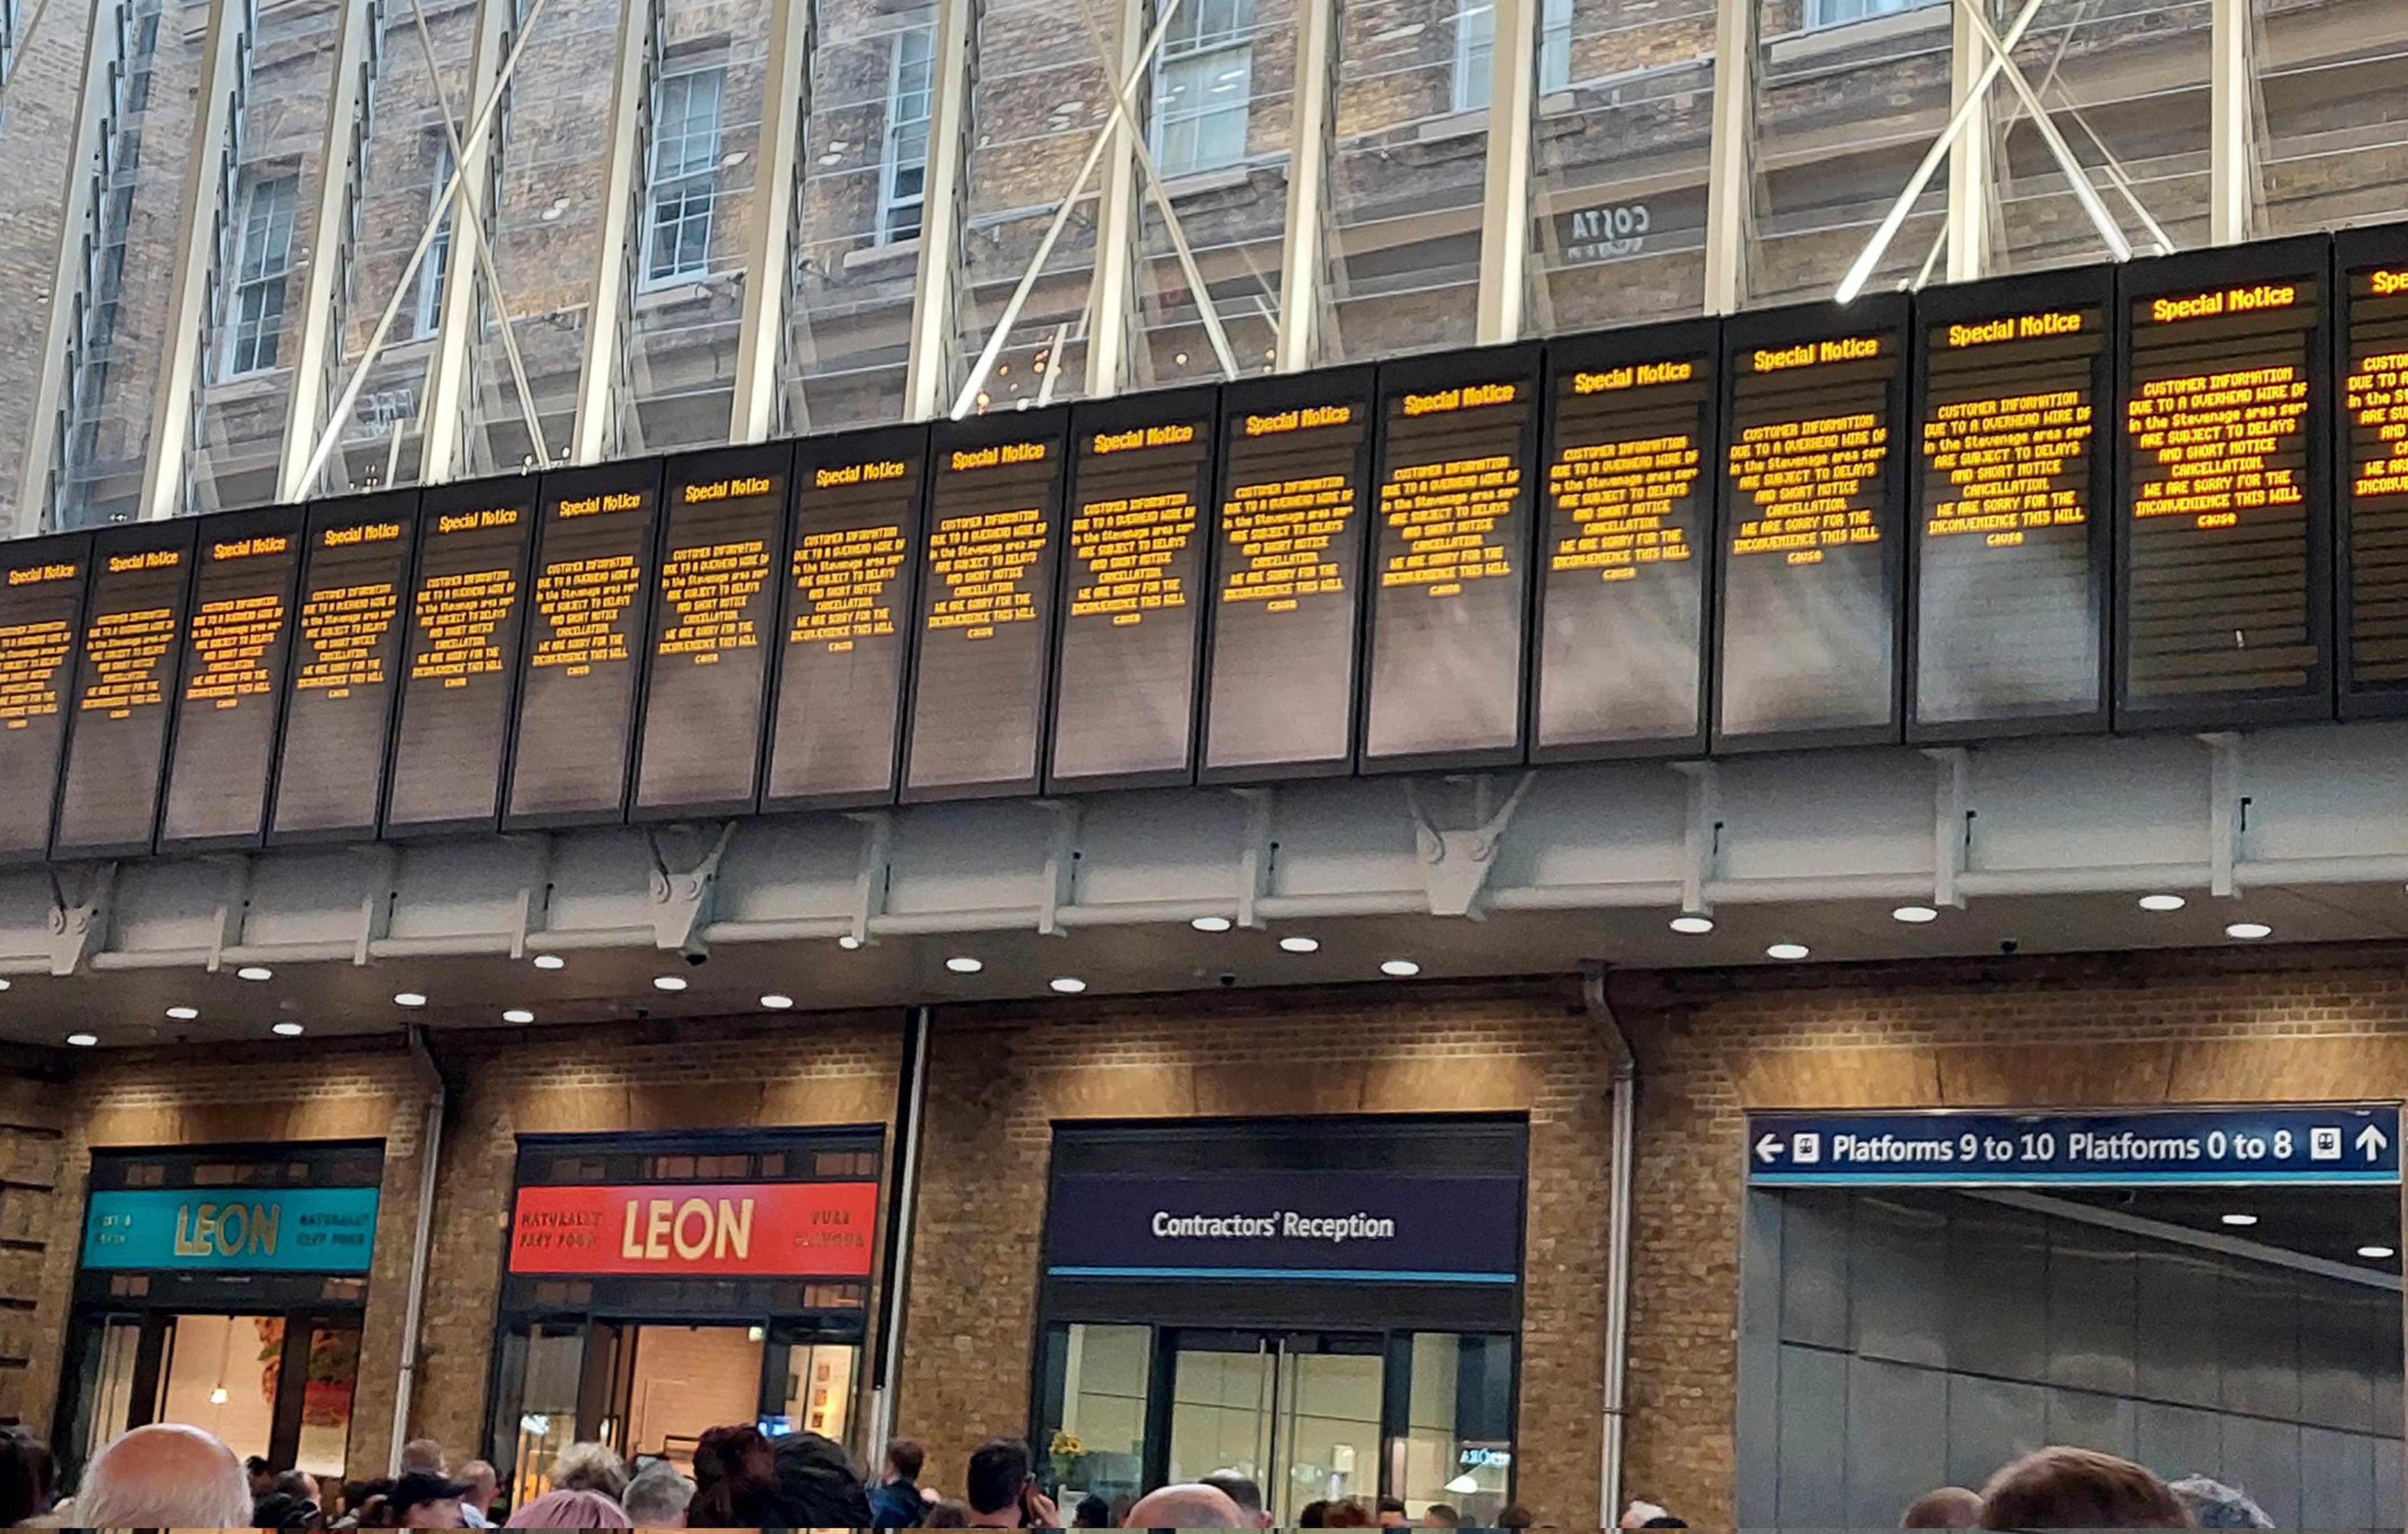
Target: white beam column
[[444, 454], [2233, 112], [1505, 203], [595, 432], [1972, 166], [944, 189], [345, 163], [209, 191], [1301, 262], [1730, 172], [760, 346], [1112, 306]]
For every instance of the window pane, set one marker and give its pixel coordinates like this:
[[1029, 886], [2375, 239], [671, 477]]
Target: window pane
[[704, 164], [2333, 79]]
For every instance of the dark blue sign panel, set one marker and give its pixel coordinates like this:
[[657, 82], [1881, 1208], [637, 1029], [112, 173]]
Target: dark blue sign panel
[[1367, 1227], [2209, 1147]]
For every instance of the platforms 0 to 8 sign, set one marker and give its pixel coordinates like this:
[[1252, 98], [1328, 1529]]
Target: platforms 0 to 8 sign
[[2209, 1147]]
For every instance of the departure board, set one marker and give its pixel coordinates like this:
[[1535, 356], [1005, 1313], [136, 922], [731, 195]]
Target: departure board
[[714, 619], [117, 736], [844, 621], [1287, 563], [2374, 530], [346, 656], [986, 607], [2010, 551], [235, 650], [41, 608], [584, 638], [1132, 591], [1629, 524], [1451, 553], [1809, 539], [460, 656], [2224, 565]]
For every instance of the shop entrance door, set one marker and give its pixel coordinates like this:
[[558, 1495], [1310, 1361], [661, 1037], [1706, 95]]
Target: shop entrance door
[[1298, 1411], [279, 1386]]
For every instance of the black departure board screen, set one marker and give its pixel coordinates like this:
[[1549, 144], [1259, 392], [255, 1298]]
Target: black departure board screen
[[1630, 522], [1132, 591], [986, 607], [460, 654], [2011, 565], [584, 637], [844, 622], [117, 738], [1287, 566], [2375, 471], [41, 608], [2225, 566], [347, 653], [236, 651], [715, 616], [1809, 539], [1451, 553]]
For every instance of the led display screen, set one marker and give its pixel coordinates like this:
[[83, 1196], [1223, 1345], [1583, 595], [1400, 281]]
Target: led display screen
[[125, 675], [41, 610], [346, 659], [237, 651]]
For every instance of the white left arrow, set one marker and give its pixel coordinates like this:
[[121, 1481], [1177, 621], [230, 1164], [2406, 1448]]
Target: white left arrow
[[2372, 1141], [1768, 1150]]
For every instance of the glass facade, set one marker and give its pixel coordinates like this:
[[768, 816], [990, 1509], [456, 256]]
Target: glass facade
[[467, 235]]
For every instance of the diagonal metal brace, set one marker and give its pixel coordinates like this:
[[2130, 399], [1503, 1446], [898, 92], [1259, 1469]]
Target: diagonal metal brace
[[1455, 864], [871, 878], [1060, 887], [80, 924], [683, 901]]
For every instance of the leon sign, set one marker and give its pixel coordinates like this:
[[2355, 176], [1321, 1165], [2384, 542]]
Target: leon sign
[[765, 1229]]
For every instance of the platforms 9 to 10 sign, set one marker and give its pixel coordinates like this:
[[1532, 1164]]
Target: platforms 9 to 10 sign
[[2174, 493]]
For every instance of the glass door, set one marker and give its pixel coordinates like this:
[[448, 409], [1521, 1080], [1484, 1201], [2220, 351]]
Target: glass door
[[277, 1386], [1298, 1412]]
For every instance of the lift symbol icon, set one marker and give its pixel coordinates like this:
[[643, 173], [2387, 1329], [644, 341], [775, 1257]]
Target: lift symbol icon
[[2323, 1142]]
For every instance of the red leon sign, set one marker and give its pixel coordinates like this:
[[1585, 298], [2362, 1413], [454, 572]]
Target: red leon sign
[[690, 1229]]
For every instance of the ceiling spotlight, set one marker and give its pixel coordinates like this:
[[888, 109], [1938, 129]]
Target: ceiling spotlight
[[286, 1030], [2248, 931], [2239, 1222], [1300, 945], [1211, 923], [408, 999], [777, 1003], [2162, 902], [217, 1394], [1786, 950], [254, 971], [518, 1014], [1401, 969], [83, 1041], [668, 982], [2376, 1253], [1914, 915], [1070, 986], [1693, 926], [962, 964], [847, 942], [550, 961], [183, 1015], [4, 982]]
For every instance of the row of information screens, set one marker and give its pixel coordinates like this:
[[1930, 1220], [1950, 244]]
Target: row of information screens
[[1810, 527]]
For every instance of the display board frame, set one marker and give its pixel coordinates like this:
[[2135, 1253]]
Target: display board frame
[[34, 553], [2385, 244], [116, 541]]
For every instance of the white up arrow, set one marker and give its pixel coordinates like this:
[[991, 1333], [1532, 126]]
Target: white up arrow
[[2372, 1141], [1768, 1150]]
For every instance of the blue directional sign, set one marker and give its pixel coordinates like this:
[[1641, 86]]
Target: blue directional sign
[[2199, 1147]]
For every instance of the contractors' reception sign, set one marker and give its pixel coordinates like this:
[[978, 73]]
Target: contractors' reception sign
[[694, 1229]]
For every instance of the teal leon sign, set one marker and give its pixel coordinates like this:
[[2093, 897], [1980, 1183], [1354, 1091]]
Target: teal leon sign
[[283, 1231]]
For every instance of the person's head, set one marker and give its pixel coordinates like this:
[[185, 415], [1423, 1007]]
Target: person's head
[[2212, 1504], [571, 1508], [283, 1509], [1668, 1521], [1516, 1516], [817, 1484], [298, 1484], [1313, 1515], [589, 1466], [423, 1454], [657, 1497], [998, 1474], [1190, 1506], [949, 1514], [1349, 1513], [1642, 1514], [1392, 1513], [29, 1476], [904, 1457], [1950, 1507], [2079, 1488], [420, 1499], [484, 1484], [735, 1479], [1439, 1515], [261, 1473], [357, 1495], [165, 1476], [1093, 1511], [1239, 1487]]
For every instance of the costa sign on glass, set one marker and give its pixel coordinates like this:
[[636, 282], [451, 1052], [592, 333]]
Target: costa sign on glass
[[765, 1229]]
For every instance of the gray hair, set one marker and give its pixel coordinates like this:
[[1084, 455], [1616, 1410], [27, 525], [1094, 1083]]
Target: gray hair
[[2214, 1505], [165, 1476], [589, 1466], [657, 1496]]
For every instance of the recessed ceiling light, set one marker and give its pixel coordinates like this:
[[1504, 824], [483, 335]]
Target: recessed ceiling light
[[217, 1394], [82, 1040], [777, 1003], [408, 999], [2376, 1253], [1914, 915], [2162, 902], [1300, 945], [4, 982], [2241, 1221], [2248, 931], [1693, 926], [550, 961], [962, 964], [1070, 986], [518, 1014], [848, 940], [286, 1030], [254, 971], [668, 982], [183, 1015], [1401, 969], [1786, 950], [1211, 923]]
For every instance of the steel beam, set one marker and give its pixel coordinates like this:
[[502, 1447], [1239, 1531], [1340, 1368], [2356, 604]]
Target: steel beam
[[769, 262], [1303, 268], [1505, 196], [344, 163], [945, 191], [443, 450], [595, 432], [1973, 182], [1731, 158], [2232, 118], [1111, 303]]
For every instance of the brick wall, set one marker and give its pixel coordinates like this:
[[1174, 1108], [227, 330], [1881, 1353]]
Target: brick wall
[[999, 1079], [2112, 1030]]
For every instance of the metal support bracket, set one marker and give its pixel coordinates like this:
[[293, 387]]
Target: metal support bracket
[[869, 882], [232, 912], [1702, 863], [1061, 885], [1455, 864], [533, 914], [1952, 826], [685, 899], [1259, 859], [377, 900], [79, 926], [2228, 810]]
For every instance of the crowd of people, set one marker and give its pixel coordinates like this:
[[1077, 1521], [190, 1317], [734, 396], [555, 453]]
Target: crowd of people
[[173, 1476]]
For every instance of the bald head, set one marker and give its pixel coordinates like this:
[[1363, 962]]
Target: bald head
[[1950, 1507], [1185, 1506], [165, 1476]]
